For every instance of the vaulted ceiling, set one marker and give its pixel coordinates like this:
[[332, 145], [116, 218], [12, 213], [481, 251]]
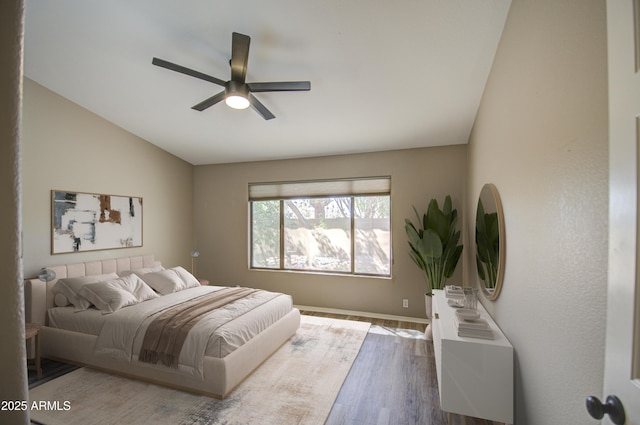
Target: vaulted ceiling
[[384, 74]]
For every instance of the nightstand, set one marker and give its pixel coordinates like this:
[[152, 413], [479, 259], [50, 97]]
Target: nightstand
[[31, 331]]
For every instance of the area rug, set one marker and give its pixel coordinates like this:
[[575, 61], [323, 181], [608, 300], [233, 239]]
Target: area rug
[[297, 385]]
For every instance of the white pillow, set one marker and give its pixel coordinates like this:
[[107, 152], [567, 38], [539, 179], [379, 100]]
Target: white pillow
[[189, 280], [70, 286], [171, 280], [141, 272], [61, 301], [113, 295], [108, 298], [138, 288]]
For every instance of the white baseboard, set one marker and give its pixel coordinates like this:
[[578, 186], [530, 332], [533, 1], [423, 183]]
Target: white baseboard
[[362, 314]]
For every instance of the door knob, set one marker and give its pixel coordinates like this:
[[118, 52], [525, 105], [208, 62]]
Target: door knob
[[613, 408]]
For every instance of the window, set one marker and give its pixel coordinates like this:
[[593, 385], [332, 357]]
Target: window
[[336, 226]]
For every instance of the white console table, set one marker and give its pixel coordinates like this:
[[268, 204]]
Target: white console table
[[475, 376]]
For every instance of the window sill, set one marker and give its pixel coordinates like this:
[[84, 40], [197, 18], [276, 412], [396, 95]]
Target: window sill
[[320, 273]]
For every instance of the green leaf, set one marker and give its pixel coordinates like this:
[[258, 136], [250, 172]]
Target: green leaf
[[415, 256], [446, 208], [452, 262], [487, 245], [480, 222], [417, 215], [437, 220], [431, 246], [413, 235]]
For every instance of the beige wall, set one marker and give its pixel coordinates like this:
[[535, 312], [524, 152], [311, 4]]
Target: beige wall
[[12, 349], [66, 147], [541, 137], [417, 175]]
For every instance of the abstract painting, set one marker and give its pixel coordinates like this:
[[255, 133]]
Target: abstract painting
[[92, 221]]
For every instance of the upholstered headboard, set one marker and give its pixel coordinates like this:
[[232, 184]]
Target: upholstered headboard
[[39, 296]]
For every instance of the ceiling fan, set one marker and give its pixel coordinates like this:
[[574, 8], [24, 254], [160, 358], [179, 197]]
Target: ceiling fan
[[237, 93]]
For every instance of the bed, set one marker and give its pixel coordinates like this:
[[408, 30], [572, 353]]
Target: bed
[[237, 347]]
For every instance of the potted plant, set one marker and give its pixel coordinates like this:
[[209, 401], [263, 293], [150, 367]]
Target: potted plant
[[434, 246]]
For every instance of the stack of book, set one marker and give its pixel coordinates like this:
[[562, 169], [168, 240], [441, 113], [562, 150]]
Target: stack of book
[[473, 329], [452, 291], [455, 295]]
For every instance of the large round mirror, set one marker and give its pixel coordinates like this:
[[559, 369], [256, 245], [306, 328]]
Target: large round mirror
[[490, 241]]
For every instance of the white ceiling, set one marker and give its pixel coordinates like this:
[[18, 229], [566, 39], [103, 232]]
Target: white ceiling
[[384, 74]]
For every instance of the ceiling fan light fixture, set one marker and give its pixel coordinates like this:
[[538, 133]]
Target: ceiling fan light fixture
[[237, 96], [237, 101]]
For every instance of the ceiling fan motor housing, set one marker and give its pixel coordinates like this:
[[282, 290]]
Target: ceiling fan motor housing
[[236, 88]]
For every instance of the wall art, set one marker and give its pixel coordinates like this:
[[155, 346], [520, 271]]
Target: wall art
[[91, 221]]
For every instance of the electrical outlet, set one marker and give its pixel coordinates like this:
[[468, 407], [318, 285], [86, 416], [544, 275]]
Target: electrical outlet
[[405, 303]]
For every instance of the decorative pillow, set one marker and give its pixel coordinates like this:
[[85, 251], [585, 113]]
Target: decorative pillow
[[141, 272], [113, 295], [70, 286], [138, 288], [106, 297], [171, 280], [61, 301], [189, 280]]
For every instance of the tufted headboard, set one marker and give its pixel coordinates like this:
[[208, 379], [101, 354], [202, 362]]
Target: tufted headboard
[[39, 296]]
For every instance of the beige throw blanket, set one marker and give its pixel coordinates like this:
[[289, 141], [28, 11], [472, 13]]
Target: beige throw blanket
[[165, 336]]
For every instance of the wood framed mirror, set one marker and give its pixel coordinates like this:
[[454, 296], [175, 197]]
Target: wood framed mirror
[[490, 241]]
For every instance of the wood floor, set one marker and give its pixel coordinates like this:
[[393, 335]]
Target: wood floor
[[393, 381]]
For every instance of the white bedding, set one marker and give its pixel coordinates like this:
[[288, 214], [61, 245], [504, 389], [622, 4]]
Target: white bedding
[[120, 334], [88, 321]]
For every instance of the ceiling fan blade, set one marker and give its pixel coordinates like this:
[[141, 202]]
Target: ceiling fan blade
[[181, 69], [239, 56], [281, 86], [209, 102], [260, 108]]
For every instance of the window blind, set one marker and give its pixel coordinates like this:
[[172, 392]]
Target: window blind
[[320, 188]]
